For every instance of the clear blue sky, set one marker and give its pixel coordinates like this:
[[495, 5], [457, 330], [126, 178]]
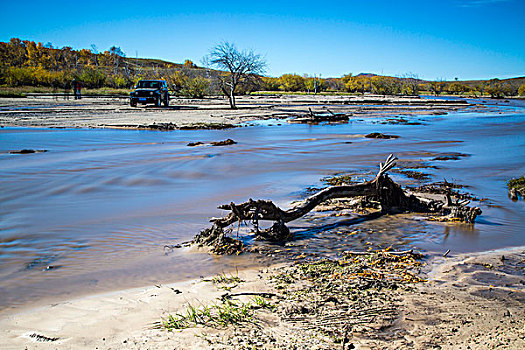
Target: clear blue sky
[[468, 39]]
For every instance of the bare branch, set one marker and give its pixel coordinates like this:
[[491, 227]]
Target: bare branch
[[240, 65]]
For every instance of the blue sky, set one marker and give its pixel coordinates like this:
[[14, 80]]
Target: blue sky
[[468, 39]]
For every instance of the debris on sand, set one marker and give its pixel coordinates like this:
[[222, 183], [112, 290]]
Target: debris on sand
[[451, 156], [378, 135], [223, 143], [226, 142], [324, 304], [193, 144], [208, 126], [399, 121], [316, 117], [42, 338], [159, 127], [412, 174], [28, 151], [516, 188]]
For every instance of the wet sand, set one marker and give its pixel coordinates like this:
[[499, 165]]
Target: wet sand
[[92, 112], [470, 301]]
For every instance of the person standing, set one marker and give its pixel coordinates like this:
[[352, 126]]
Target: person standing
[[77, 86], [74, 86]]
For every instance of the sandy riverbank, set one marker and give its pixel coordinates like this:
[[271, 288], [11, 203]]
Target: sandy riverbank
[[92, 112], [472, 301]]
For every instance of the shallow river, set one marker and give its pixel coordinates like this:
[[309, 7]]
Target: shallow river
[[94, 213]]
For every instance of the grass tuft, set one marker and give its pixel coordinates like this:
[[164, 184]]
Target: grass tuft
[[226, 282], [219, 315]]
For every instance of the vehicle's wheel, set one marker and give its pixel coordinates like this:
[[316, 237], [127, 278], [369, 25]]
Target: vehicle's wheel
[[167, 100], [133, 103]]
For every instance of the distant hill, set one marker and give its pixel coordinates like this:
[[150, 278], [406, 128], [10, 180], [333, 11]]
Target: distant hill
[[519, 80]]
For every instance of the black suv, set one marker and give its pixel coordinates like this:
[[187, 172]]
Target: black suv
[[150, 91]]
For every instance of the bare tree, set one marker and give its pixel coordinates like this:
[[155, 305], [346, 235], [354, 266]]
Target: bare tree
[[241, 67], [117, 55], [94, 50]]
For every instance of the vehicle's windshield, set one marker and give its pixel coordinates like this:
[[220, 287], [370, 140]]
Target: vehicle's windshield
[[148, 84]]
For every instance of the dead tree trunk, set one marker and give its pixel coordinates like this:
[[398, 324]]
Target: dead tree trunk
[[382, 189]]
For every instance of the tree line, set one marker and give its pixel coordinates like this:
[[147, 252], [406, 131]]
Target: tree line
[[409, 85], [27, 63]]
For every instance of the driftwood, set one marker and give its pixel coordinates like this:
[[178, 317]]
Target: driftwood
[[315, 117], [382, 189]]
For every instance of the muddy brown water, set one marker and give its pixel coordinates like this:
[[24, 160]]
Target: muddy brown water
[[94, 213]]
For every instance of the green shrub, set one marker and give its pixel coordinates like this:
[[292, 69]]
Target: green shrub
[[92, 78], [521, 90], [196, 87]]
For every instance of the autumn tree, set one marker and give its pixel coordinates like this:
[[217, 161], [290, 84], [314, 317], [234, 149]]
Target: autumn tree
[[437, 86], [457, 88], [92, 77], [240, 68], [410, 84], [359, 83], [177, 80], [270, 83], [33, 54], [196, 87], [188, 64], [291, 82], [85, 57], [494, 88], [521, 90], [480, 87], [386, 85], [333, 84], [310, 84]]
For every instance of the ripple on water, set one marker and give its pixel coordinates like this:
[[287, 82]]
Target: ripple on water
[[103, 203]]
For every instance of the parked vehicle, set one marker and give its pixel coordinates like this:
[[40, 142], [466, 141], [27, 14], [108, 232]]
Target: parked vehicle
[[150, 91]]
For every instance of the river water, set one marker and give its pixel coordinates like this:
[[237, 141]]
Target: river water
[[94, 212]]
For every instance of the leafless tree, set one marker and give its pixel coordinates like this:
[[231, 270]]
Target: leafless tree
[[240, 67], [117, 55]]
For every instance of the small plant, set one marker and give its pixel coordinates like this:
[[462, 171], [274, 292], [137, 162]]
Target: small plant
[[226, 282], [338, 180], [516, 187], [221, 314], [263, 303], [516, 183], [223, 278], [195, 88]]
